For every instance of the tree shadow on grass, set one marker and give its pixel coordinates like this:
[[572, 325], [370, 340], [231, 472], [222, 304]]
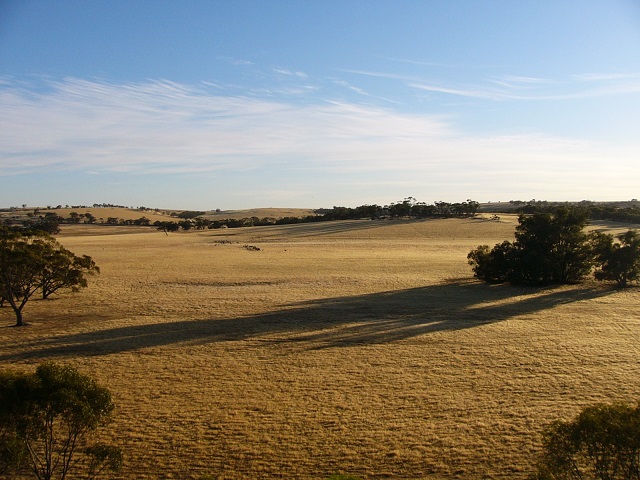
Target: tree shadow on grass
[[311, 229], [376, 318]]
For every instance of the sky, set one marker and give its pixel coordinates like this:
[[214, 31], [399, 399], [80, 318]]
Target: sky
[[301, 103]]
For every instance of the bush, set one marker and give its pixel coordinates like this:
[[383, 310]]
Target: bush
[[549, 248], [619, 262], [47, 418], [602, 442]]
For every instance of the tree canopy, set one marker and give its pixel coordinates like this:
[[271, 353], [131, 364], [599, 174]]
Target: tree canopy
[[548, 248], [553, 248], [35, 261], [47, 419], [617, 261], [602, 442]]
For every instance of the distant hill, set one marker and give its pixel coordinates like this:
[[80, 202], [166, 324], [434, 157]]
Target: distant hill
[[116, 212], [260, 213], [102, 214], [98, 212]]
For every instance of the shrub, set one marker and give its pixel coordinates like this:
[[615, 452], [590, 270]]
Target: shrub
[[549, 248], [617, 261], [47, 418], [602, 442]]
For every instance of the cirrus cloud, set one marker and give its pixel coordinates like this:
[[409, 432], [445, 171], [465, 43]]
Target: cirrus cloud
[[166, 128]]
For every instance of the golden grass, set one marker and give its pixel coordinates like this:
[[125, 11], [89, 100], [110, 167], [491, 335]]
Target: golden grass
[[260, 213], [358, 347], [165, 215]]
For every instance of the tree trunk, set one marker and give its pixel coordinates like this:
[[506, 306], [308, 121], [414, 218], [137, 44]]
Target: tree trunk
[[19, 321]]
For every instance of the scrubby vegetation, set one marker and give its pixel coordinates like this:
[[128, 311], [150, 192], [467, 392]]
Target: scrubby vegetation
[[626, 212], [601, 443], [47, 420], [617, 261], [553, 248], [408, 208]]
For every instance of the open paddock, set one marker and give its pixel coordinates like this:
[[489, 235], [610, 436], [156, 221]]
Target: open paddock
[[361, 347]]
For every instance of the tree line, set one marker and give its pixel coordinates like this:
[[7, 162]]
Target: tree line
[[595, 211], [408, 208], [192, 219]]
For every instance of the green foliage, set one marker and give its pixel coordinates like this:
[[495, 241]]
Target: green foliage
[[553, 248], [21, 265], [493, 265], [50, 223], [48, 418], [628, 212], [549, 248], [619, 262], [34, 262], [602, 442], [188, 214], [409, 207], [13, 455], [63, 269], [101, 457]]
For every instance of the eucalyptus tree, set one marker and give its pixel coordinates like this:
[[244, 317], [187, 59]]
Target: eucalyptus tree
[[34, 262], [548, 248]]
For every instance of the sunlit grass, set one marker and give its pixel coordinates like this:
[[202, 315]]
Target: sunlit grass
[[360, 347]]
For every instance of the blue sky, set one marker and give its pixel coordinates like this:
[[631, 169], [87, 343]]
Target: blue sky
[[240, 104]]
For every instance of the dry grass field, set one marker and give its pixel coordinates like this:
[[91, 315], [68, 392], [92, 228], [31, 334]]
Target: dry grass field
[[361, 347], [103, 213], [260, 213]]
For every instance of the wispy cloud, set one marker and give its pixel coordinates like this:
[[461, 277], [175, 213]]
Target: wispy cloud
[[521, 87], [421, 63], [519, 79], [515, 82], [235, 61], [482, 94], [290, 73], [166, 128], [347, 85], [532, 89], [81, 124], [387, 75], [606, 76], [361, 91]]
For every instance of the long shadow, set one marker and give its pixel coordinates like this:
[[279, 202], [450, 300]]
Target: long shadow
[[313, 229], [377, 318]]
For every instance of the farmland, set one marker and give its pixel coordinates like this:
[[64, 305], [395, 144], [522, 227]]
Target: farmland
[[361, 347]]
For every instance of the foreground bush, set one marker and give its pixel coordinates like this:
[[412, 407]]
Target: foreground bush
[[47, 419], [602, 442]]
